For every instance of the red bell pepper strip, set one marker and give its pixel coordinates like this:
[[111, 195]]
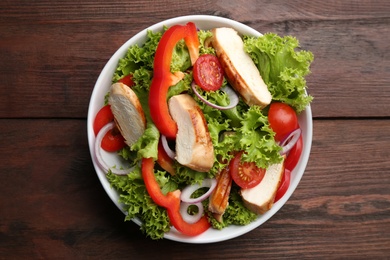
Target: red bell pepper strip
[[163, 78], [171, 202]]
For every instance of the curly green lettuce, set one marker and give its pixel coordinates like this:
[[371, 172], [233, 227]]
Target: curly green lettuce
[[282, 67], [138, 204]]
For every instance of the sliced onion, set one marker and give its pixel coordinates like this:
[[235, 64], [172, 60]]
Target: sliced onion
[[191, 219], [166, 147], [233, 97], [187, 191], [99, 156], [290, 141]]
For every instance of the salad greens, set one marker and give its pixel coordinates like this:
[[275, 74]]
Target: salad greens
[[282, 67], [241, 128]]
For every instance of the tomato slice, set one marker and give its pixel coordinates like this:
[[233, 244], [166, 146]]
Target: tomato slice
[[284, 186], [113, 141], [208, 72], [294, 155], [103, 117], [127, 80], [245, 174], [282, 119]]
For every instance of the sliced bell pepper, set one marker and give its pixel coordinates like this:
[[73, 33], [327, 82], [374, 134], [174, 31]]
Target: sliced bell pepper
[[163, 78], [170, 201]]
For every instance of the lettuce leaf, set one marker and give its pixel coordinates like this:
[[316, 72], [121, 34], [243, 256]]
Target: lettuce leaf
[[282, 67], [138, 203]]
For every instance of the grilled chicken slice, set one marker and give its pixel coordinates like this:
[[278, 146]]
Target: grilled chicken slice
[[128, 113], [239, 68], [219, 198], [260, 198], [194, 148]]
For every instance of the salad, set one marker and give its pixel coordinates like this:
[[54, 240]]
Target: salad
[[246, 139]]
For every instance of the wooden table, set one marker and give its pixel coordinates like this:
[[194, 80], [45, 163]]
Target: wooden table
[[52, 204]]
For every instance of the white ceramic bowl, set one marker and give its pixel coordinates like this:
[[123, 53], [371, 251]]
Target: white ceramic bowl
[[102, 86]]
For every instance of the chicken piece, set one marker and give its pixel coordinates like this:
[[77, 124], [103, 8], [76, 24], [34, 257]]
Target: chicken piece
[[219, 198], [260, 198], [239, 68], [128, 113], [194, 147]]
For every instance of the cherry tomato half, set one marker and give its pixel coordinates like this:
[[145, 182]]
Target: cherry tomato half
[[208, 72], [103, 117], [283, 120], [294, 155], [284, 186], [245, 174], [127, 80], [113, 140]]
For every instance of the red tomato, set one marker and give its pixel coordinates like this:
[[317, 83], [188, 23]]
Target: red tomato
[[113, 141], [283, 120], [284, 186], [127, 80], [245, 174], [294, 155], [103, 117], [208, 72]]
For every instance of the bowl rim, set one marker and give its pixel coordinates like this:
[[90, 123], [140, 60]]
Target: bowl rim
[[101, 87]]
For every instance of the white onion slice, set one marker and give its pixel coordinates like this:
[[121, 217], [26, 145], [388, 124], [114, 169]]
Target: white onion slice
[[191, 219], [166, 147], [99, 156], [233, 97], [290, 141], [187, 191]]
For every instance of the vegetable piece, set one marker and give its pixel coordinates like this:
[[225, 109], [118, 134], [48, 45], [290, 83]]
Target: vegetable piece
[[294, 155], [290, 141], [163, 78], [98, 154], [102, 118], [190, 189], [164, 160], [169, 152], [191, 218], [113, 140], [208, 73], [282, 67], [233, 98], [127, 80], [245, 174], [240, 70], [260, 198], [219, 199], [282, 119], [284, 186], [170, 201]]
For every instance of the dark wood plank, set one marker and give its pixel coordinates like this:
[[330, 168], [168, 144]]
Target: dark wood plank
[[52, 203], [53, 52]]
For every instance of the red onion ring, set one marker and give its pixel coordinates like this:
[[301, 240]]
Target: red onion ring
[[191, 219], [187, 191], [233, 97], [166, 147], [288, 143], [99, 156]]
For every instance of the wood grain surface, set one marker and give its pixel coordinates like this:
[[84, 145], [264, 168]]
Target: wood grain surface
[[52, 205]]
